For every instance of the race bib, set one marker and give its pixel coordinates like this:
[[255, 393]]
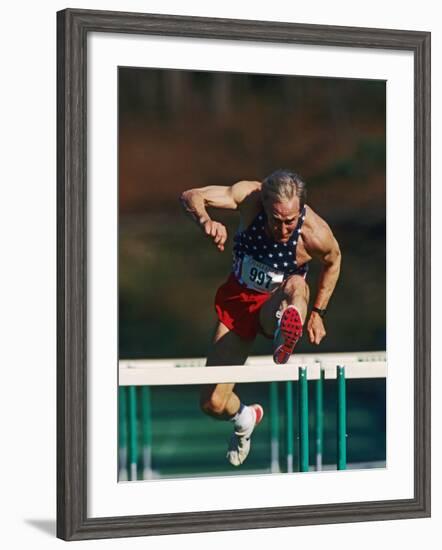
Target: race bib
[[259, 276]]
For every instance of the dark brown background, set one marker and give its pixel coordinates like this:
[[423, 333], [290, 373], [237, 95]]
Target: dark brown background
[[182, 129]]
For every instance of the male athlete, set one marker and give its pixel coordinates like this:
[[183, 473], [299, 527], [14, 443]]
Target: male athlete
[[266, 291]]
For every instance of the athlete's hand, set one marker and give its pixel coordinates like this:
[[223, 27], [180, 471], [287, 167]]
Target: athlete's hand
[[315, 328], [217, 232]]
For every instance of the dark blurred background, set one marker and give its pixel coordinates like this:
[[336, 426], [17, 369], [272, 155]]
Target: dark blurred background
[[184, 129]]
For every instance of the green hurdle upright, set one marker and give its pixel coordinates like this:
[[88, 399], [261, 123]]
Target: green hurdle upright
[[146, 432], [274, 428], [303, 420], [341, 419], [319, 417], [290, 427], [122, 434], [133, 443]]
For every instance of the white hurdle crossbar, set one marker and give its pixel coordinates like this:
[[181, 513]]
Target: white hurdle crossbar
[[260, 369]]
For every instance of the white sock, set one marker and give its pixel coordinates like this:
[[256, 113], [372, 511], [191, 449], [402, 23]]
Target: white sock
[[243, 419]]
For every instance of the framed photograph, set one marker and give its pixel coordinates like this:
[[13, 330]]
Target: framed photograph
[[243, 274]]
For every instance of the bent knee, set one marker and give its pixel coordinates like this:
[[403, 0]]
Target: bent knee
[[296, 285], [213, 404]]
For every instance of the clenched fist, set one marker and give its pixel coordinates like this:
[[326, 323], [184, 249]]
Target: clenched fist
[[217, 232]]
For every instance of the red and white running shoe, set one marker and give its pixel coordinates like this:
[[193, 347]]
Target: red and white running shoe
[[287, 334], [239, 446]]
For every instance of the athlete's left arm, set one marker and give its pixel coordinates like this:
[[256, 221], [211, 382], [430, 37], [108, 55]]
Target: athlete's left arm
[[322, 245]]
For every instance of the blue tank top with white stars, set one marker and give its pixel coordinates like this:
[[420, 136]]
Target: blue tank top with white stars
[[262, 264]]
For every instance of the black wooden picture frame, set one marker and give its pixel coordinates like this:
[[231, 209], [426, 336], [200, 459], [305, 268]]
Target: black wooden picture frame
[[73, 27]]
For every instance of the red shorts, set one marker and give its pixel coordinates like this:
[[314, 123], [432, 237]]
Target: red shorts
[[238, 308]]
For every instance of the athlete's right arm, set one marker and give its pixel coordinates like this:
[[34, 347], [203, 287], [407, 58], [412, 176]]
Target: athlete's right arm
[[195, 202]]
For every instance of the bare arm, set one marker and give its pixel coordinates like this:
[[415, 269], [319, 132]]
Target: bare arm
[[196, 201], [323, 246]]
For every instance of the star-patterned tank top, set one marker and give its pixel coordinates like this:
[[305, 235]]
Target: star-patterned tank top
[[259, 262]]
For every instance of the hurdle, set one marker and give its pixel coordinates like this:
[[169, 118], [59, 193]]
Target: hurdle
[[136, 377]]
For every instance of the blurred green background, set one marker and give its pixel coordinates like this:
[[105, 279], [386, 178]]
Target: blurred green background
[[183, 129]]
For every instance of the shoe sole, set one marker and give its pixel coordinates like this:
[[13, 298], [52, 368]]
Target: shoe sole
[[291, 330]]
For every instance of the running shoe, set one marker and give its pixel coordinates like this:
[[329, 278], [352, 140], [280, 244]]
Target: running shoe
[[287, 334], [239, 446]]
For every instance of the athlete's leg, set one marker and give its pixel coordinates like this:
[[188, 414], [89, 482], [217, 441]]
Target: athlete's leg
[[219, 400], [294, 291]]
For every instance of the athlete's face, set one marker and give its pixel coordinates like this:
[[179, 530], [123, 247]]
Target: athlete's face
[[282, 218]]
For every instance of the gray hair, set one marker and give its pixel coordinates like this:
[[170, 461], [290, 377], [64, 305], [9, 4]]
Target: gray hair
[[284, 185]]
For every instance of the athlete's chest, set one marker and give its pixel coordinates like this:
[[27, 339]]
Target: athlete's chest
[[279, 256], [253, 238], [262, 263], [302, 256]]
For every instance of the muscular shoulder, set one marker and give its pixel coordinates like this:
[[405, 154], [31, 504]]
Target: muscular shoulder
[[249, 201], [317, 236], [246, 192]]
